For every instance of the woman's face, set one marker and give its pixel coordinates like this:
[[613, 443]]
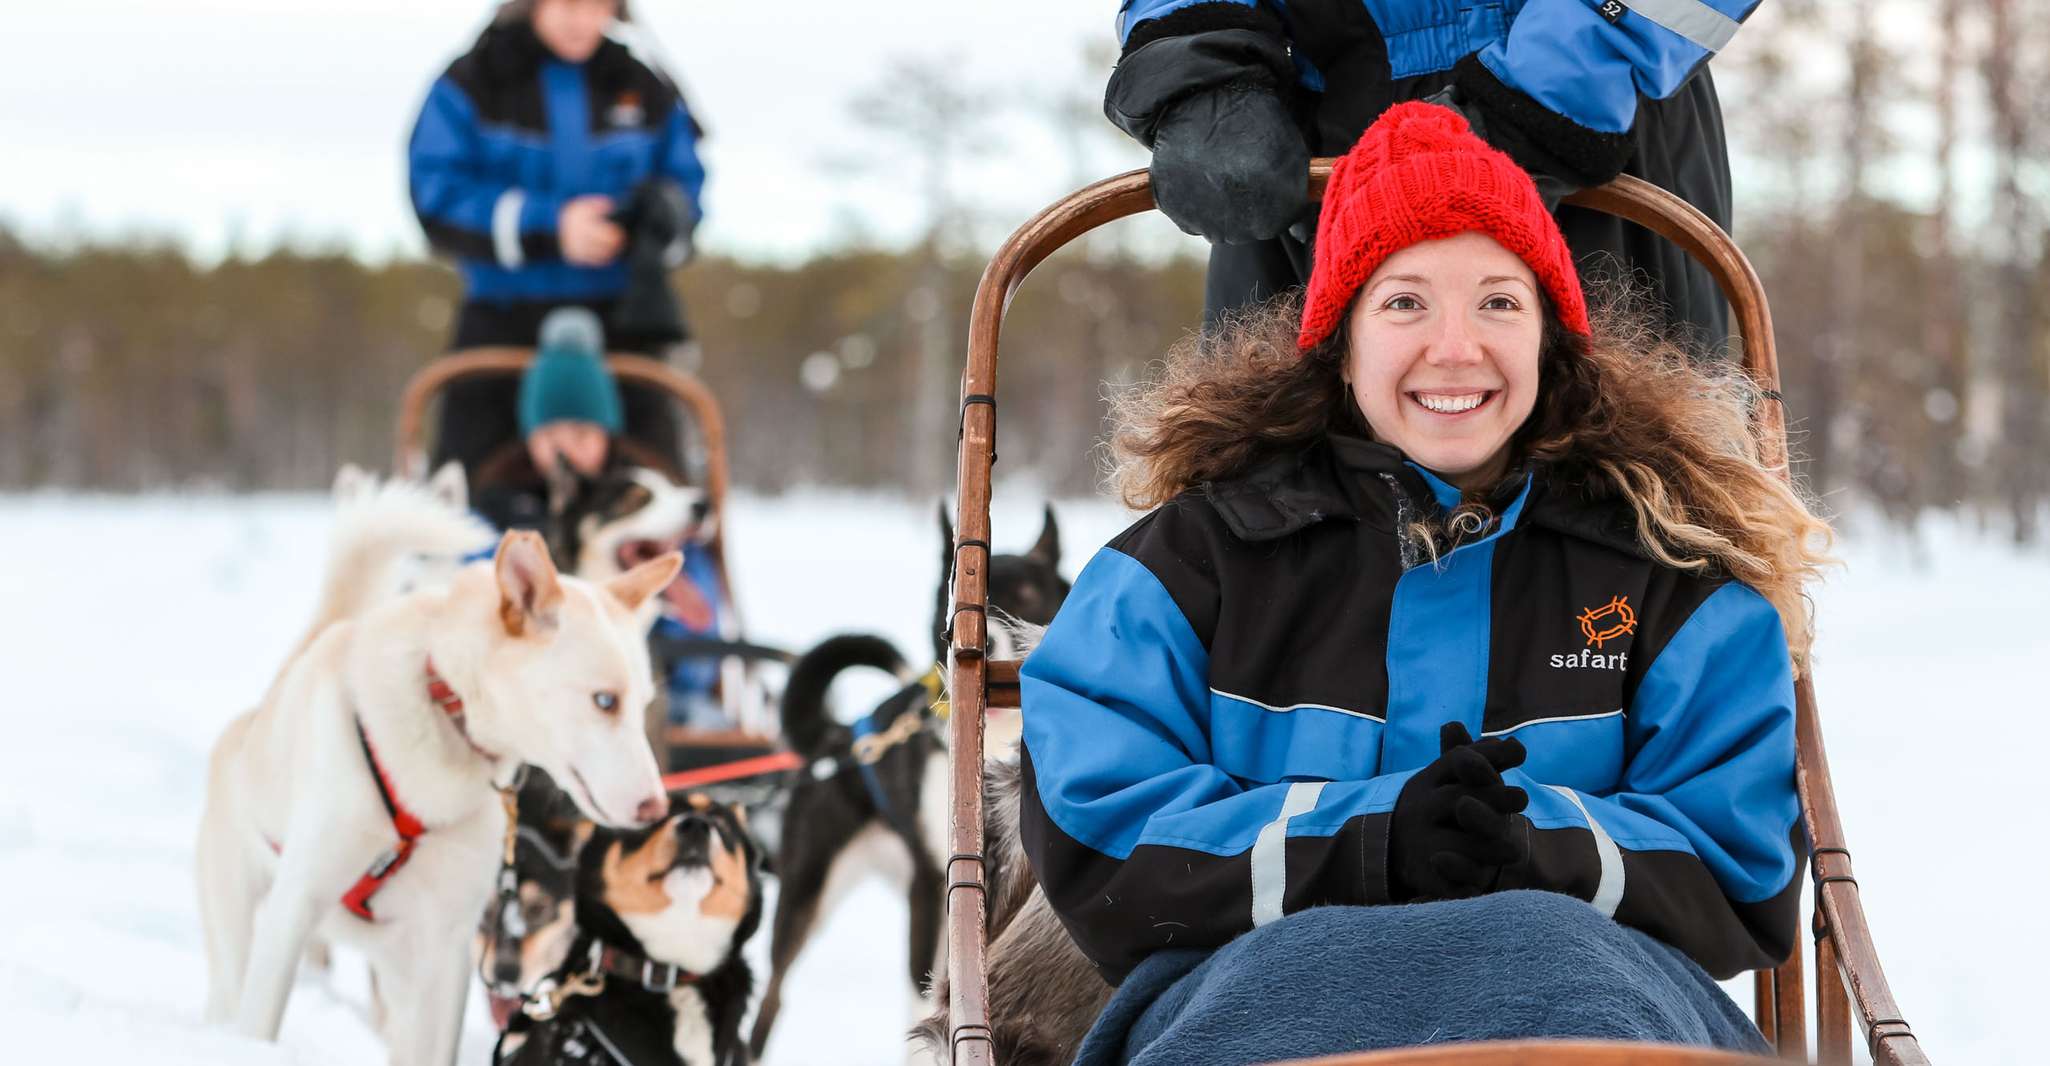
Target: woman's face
[[573, 29], [583, 444], [1444, 355]]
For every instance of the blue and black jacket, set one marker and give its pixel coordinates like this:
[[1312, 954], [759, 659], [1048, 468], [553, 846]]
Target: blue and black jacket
[[511, 133], [1221, 716], [1560, 80]]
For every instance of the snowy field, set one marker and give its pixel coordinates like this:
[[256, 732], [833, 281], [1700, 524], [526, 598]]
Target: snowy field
[[132, 629]]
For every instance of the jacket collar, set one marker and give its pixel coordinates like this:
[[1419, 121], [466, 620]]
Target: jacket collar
[[511, 53], [1352, 478]]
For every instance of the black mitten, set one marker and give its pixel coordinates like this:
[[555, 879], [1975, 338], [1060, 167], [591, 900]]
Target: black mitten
[[1203, 88], [1456, 825], [1229, 164]]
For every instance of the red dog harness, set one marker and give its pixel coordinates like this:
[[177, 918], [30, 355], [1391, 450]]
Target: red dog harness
[[404, 822]]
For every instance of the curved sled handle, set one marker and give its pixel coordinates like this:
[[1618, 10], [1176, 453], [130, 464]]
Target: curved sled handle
[[1848, 970]]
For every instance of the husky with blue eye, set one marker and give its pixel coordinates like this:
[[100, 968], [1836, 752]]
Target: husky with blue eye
[[654, 973], [360, 803]]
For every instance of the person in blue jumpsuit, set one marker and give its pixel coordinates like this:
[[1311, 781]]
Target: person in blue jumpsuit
[[557, 170]]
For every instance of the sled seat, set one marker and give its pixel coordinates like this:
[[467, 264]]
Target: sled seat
[[1849, 983]]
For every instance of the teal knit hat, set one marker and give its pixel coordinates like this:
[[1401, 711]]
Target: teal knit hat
[[568, 380]]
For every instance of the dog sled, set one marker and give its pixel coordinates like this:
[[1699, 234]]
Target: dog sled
[[691, 756], [1851, 999]]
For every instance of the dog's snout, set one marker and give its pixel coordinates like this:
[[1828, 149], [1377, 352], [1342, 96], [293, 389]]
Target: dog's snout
[[652, 809], [699, 510]]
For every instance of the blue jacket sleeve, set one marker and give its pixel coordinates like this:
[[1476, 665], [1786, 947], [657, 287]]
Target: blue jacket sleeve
[[1139, 840], [679, 160], [1588, 60], [1700, 845], [464, 212]]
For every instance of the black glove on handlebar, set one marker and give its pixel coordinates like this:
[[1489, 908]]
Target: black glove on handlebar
[[1203, 88], [1456, 825], [1229, 164]]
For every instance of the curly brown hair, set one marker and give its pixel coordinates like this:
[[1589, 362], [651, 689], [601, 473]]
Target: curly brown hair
[[1633, 410]]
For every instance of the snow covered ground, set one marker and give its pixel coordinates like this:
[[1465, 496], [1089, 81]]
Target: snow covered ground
[[131, 629]]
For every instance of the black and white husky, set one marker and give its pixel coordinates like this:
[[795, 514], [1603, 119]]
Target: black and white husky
[[875, 796]]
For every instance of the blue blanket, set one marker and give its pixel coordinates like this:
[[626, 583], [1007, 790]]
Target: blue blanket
[[1511, 965]]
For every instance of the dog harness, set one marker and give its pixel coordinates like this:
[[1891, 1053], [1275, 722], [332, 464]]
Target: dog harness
[[392, 859], [404, 822], [545, 1036], [875, 736]]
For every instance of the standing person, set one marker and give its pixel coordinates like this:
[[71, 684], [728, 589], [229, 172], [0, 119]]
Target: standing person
[[1447, 693], [558, 170], [1233, 97]]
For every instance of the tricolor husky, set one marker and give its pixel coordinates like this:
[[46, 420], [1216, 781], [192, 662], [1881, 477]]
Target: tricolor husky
[[654, 975], [876, 794], [360, 803]]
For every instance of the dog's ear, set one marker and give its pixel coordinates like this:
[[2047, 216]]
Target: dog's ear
[[353, 484], [1047, 549], [529, 591], [634, 587], [450, 486]]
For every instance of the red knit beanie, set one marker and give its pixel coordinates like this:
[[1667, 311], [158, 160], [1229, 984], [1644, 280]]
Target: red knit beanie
[[1419, 174]]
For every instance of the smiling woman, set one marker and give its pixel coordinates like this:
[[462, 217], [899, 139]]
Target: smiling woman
[[1582, 593]]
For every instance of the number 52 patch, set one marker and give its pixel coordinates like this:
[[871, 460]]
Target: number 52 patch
[[1613, 10]]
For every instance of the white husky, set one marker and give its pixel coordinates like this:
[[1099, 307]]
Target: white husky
[[358, 804]]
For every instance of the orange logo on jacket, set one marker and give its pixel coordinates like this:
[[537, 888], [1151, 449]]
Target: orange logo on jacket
[[1624, 623], [626, 110]]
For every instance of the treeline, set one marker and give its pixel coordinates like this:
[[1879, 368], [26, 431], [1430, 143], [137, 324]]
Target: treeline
[[126, 368], [1891, 163]]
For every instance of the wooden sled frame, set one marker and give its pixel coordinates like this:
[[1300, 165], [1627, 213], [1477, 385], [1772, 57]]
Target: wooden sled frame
[[410, 447], [1849, 982]]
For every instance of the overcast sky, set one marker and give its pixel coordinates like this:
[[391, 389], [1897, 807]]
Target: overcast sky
[[221, 122], [237, 123]]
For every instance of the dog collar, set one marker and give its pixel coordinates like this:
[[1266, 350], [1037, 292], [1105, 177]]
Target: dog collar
[[608, 961], [444, 697]]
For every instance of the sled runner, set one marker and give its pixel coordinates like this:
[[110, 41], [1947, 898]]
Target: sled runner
[[680, 747], [1849, 984]]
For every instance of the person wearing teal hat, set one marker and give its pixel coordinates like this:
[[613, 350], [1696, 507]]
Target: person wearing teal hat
[[569, 405], [570, 414]]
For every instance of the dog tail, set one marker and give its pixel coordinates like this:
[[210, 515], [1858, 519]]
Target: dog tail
[[806, 721]]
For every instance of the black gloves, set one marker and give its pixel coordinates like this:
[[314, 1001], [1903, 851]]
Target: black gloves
[[1456, 826], [658, 221], [1229, 164], [1561, 155], [1202, 87]]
